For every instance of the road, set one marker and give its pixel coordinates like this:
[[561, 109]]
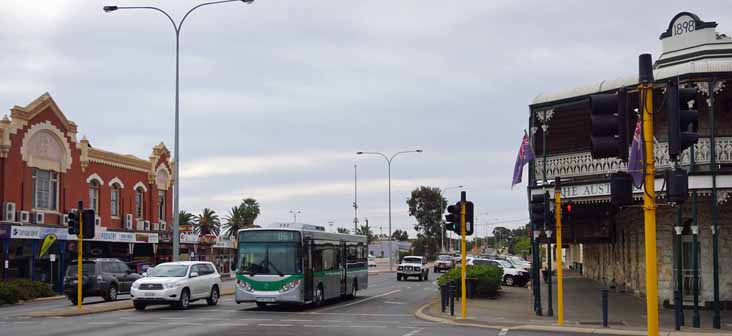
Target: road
[[386, 308]]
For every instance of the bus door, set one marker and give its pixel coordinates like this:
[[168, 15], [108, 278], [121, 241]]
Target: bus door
[[308, 269], [344, 269]]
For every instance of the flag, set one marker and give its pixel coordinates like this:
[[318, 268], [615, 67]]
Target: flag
[[635, 163], [47, 242], [525, 154]]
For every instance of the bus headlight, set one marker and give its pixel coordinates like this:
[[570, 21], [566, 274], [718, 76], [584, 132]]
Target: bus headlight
[[290, 285], [244, 285]]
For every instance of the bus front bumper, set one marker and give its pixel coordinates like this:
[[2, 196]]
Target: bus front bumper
[[292, 296]]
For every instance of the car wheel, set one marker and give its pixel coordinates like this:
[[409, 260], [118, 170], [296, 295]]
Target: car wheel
[[214, 298], [74, 302], [426, 276], [399, 278], [185, 299], [111, 293], [354, 287], [319, 297], [508, 280], [261, 305], [139, 305]]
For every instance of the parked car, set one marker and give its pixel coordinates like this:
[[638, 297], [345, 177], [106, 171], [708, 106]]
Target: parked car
[[100, 277], [178, 284], [372, 261], [413, 266], [443, 263], [512, 276], [519, 263]]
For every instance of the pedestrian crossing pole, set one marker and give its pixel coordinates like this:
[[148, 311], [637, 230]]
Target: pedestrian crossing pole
[[649, 193], [463, 267], [558, 254], [79, 256]]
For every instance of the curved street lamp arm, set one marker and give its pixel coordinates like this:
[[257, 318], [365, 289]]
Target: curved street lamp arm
[[180, 24], [402, 152], [175, 27], [378, 153]]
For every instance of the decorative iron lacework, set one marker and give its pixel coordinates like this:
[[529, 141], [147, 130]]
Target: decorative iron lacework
[[582, 164]]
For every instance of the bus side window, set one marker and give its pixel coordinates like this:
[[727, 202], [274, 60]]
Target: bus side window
[[317, 258]]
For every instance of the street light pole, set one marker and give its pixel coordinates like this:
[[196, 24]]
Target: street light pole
[[294, 215], [176, 156], [388, 164]]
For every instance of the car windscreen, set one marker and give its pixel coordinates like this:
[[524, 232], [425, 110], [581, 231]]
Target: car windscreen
[[412, 260], [169, 271], [444, 258], [87, 268], [483, 262], [505, 264]]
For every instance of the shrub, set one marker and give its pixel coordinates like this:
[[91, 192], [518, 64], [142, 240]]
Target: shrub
[[489, 278], [15, 290]]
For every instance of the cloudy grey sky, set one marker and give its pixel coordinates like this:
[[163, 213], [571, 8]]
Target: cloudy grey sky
[[277, 96]]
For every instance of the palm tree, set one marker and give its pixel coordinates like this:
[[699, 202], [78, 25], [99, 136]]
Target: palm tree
[[234, 221], [186, 218], [208, 223], [250, 211]]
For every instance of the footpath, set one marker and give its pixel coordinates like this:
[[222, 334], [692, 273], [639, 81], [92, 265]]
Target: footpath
[[512, 310]]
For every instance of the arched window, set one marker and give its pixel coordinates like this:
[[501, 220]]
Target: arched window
[[114, 200], [94, 195], [45, 189], [139, 200]]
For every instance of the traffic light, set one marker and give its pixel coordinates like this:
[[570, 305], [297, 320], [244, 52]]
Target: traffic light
[[89, 223], [469, 226], [683, 122], [73, 223], [453, 218], [677, 185], [610, 125], [621, 189], [537, 210]]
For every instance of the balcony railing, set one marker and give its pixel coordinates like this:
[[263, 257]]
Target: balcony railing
[[582, 164]]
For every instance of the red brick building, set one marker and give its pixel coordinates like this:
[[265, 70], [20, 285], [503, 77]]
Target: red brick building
[[45, 170]]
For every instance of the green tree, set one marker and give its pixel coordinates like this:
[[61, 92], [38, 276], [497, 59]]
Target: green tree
[[186, 218], [207, 223], [427, 205], [521, 246], [400, 235], [364, 230], [343, 230], [250, 211], [234, 221]]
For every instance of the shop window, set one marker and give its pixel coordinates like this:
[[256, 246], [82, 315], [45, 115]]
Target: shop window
[[114, 200], [45, 189]]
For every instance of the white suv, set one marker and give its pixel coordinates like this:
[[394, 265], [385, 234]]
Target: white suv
[[177, 284], [413, 266]]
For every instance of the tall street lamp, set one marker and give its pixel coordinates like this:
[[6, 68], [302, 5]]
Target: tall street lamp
[[294, 215], [442, 230], [388, 164], [176, 158]]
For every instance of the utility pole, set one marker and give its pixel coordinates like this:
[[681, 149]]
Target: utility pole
[[649, 194], [355, 198]]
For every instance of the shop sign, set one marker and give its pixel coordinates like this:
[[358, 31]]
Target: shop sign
[[35, 232], [126, 237], [164, 237], [188, 238]]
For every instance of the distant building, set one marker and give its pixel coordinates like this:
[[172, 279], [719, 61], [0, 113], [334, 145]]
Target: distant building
[[380, 248]]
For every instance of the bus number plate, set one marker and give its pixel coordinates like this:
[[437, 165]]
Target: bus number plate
[[266, 299]]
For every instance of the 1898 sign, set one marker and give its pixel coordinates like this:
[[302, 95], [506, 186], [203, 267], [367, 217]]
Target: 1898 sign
[[682, 27]]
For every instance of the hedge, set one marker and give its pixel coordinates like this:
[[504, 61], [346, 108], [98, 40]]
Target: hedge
[[489, 278], [15, 290]]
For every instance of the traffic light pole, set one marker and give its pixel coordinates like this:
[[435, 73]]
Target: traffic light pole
[[79, 256], [463, 267], [649, 194], [558, 234]]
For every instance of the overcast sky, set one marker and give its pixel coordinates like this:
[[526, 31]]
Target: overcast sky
[[277, 96]]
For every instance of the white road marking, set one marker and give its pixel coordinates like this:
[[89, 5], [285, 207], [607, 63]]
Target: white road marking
[[254, 319], [143, 323], [407, 327], [503, 332], [184, 323], [394, 302], [23, 322], [359, 301], [213, 319], [172, 318], [335, 321], [366, 326], [296, 320], [274, 325], [232, 324], [412, 333], [103, 323]]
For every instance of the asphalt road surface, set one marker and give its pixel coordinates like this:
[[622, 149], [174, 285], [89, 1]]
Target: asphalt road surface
[[386, 308]]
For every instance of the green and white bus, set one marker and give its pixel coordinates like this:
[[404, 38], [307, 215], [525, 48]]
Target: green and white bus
[[299, 264]]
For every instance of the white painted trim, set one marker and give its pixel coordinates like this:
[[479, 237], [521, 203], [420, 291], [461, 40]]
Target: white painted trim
[[96, 177], [118, 181], [139, 185]]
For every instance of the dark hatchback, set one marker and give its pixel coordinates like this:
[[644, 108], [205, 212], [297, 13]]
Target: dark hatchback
[[100, 277]]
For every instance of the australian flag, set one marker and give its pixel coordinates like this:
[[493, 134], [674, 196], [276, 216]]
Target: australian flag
[[525, 154], [635, 163]]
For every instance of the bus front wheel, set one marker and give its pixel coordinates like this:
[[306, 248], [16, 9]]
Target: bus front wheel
[[319, 297]]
